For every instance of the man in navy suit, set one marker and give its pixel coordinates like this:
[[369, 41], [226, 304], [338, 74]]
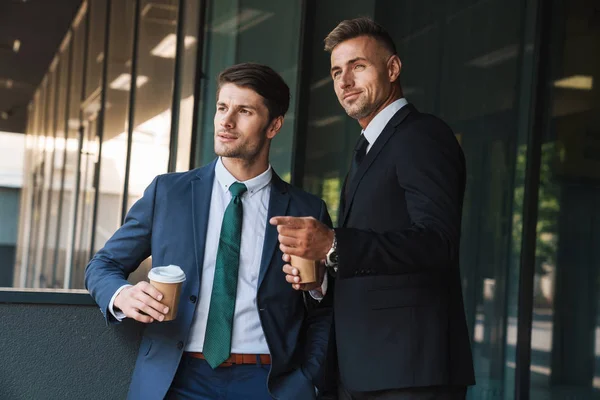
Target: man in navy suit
[[241, 331]]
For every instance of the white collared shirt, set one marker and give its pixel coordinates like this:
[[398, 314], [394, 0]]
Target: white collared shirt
[[377, 124], [247, 336]]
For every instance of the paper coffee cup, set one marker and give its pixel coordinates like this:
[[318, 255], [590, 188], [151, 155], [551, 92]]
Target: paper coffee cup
[[307, 268], [168, 280]]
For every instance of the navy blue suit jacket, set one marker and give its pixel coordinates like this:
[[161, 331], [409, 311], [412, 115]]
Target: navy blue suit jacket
[[169, 223]]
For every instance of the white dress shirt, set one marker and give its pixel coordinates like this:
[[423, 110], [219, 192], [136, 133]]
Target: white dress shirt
[[377, 124], [247, 336]]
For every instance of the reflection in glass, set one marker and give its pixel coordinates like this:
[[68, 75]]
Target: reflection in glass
[[114, 136], [188, 75], [46, 168], [46, 277], [235, 28], [95, 56], [25, 201], [63, 143], [152, 110], [565, 342], [74, 142]]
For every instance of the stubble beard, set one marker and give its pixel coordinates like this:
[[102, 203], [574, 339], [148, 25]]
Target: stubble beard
[[359, 109], [243, 151]]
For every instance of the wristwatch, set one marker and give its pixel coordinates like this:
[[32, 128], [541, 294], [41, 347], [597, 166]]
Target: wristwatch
[[331, 260]]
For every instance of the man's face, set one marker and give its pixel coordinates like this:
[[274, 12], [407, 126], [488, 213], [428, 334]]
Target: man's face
[[241, 123], [360, 69]]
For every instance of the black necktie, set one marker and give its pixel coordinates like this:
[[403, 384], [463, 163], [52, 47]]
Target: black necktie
[[360, 150]]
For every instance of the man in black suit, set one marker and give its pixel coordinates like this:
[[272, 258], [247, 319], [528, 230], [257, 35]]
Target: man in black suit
[[400, 326]]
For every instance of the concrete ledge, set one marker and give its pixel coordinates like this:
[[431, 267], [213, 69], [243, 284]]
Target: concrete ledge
[[51, 351], [46, 296]]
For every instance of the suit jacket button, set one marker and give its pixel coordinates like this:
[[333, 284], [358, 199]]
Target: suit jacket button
[[193, 299], [180, 345]]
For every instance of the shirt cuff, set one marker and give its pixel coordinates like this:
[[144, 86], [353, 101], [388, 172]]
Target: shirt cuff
[[119, 315], [319, 294]]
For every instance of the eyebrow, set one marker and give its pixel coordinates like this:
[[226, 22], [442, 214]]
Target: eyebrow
[[220, 103], [349, 62]]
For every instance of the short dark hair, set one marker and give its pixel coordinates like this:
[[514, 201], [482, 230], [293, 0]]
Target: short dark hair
[[264, 81], [353, 28]]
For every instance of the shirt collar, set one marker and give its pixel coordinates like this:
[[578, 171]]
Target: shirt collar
[[254, 185], [375, 127]]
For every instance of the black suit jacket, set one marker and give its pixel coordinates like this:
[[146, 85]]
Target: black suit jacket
[[398, 308]]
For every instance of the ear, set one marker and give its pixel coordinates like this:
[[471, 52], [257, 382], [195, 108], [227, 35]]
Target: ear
[[274, 127], [394, 66]]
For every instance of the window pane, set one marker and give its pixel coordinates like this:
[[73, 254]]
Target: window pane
[[24, 206], [37, 154], [565, 343], [69, 149], [48, 271], [46, 170], [234, 30], [156, 62], [95, 56], [114, 139], [192, 15], [73, 275]]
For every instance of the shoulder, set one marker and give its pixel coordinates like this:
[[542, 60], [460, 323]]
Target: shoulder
[[174, 180], [424, 129]]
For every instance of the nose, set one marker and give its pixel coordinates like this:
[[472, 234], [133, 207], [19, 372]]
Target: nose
[[346, 79], [227, 121]]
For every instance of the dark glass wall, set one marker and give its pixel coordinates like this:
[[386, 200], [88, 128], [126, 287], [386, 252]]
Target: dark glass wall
[[565, 341], [236, 32]]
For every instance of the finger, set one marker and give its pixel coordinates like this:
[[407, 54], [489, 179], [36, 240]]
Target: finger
[[136, 315], [297, 286], [290, 250], [150, 290], [141, 306], [280, 220], [291, 231], [292, 279], [288, 241], [290, 270], [286, 258], [149, 301], [288, 221]]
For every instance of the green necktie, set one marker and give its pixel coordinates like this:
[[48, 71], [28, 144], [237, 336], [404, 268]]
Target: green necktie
[[217, 340]]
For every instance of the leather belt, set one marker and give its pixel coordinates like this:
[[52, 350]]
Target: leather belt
[[236, 359]]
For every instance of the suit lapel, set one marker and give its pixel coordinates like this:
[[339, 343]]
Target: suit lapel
[[278, 204], [385, 135], [201, 196]]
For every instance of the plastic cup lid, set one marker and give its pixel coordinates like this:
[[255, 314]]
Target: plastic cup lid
[[168, 274]]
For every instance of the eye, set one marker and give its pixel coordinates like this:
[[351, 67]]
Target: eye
[[336, 74], [221, 108], [359, 67], [244, 111]]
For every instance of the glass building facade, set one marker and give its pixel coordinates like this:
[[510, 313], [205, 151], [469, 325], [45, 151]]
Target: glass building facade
[[131, 94]]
